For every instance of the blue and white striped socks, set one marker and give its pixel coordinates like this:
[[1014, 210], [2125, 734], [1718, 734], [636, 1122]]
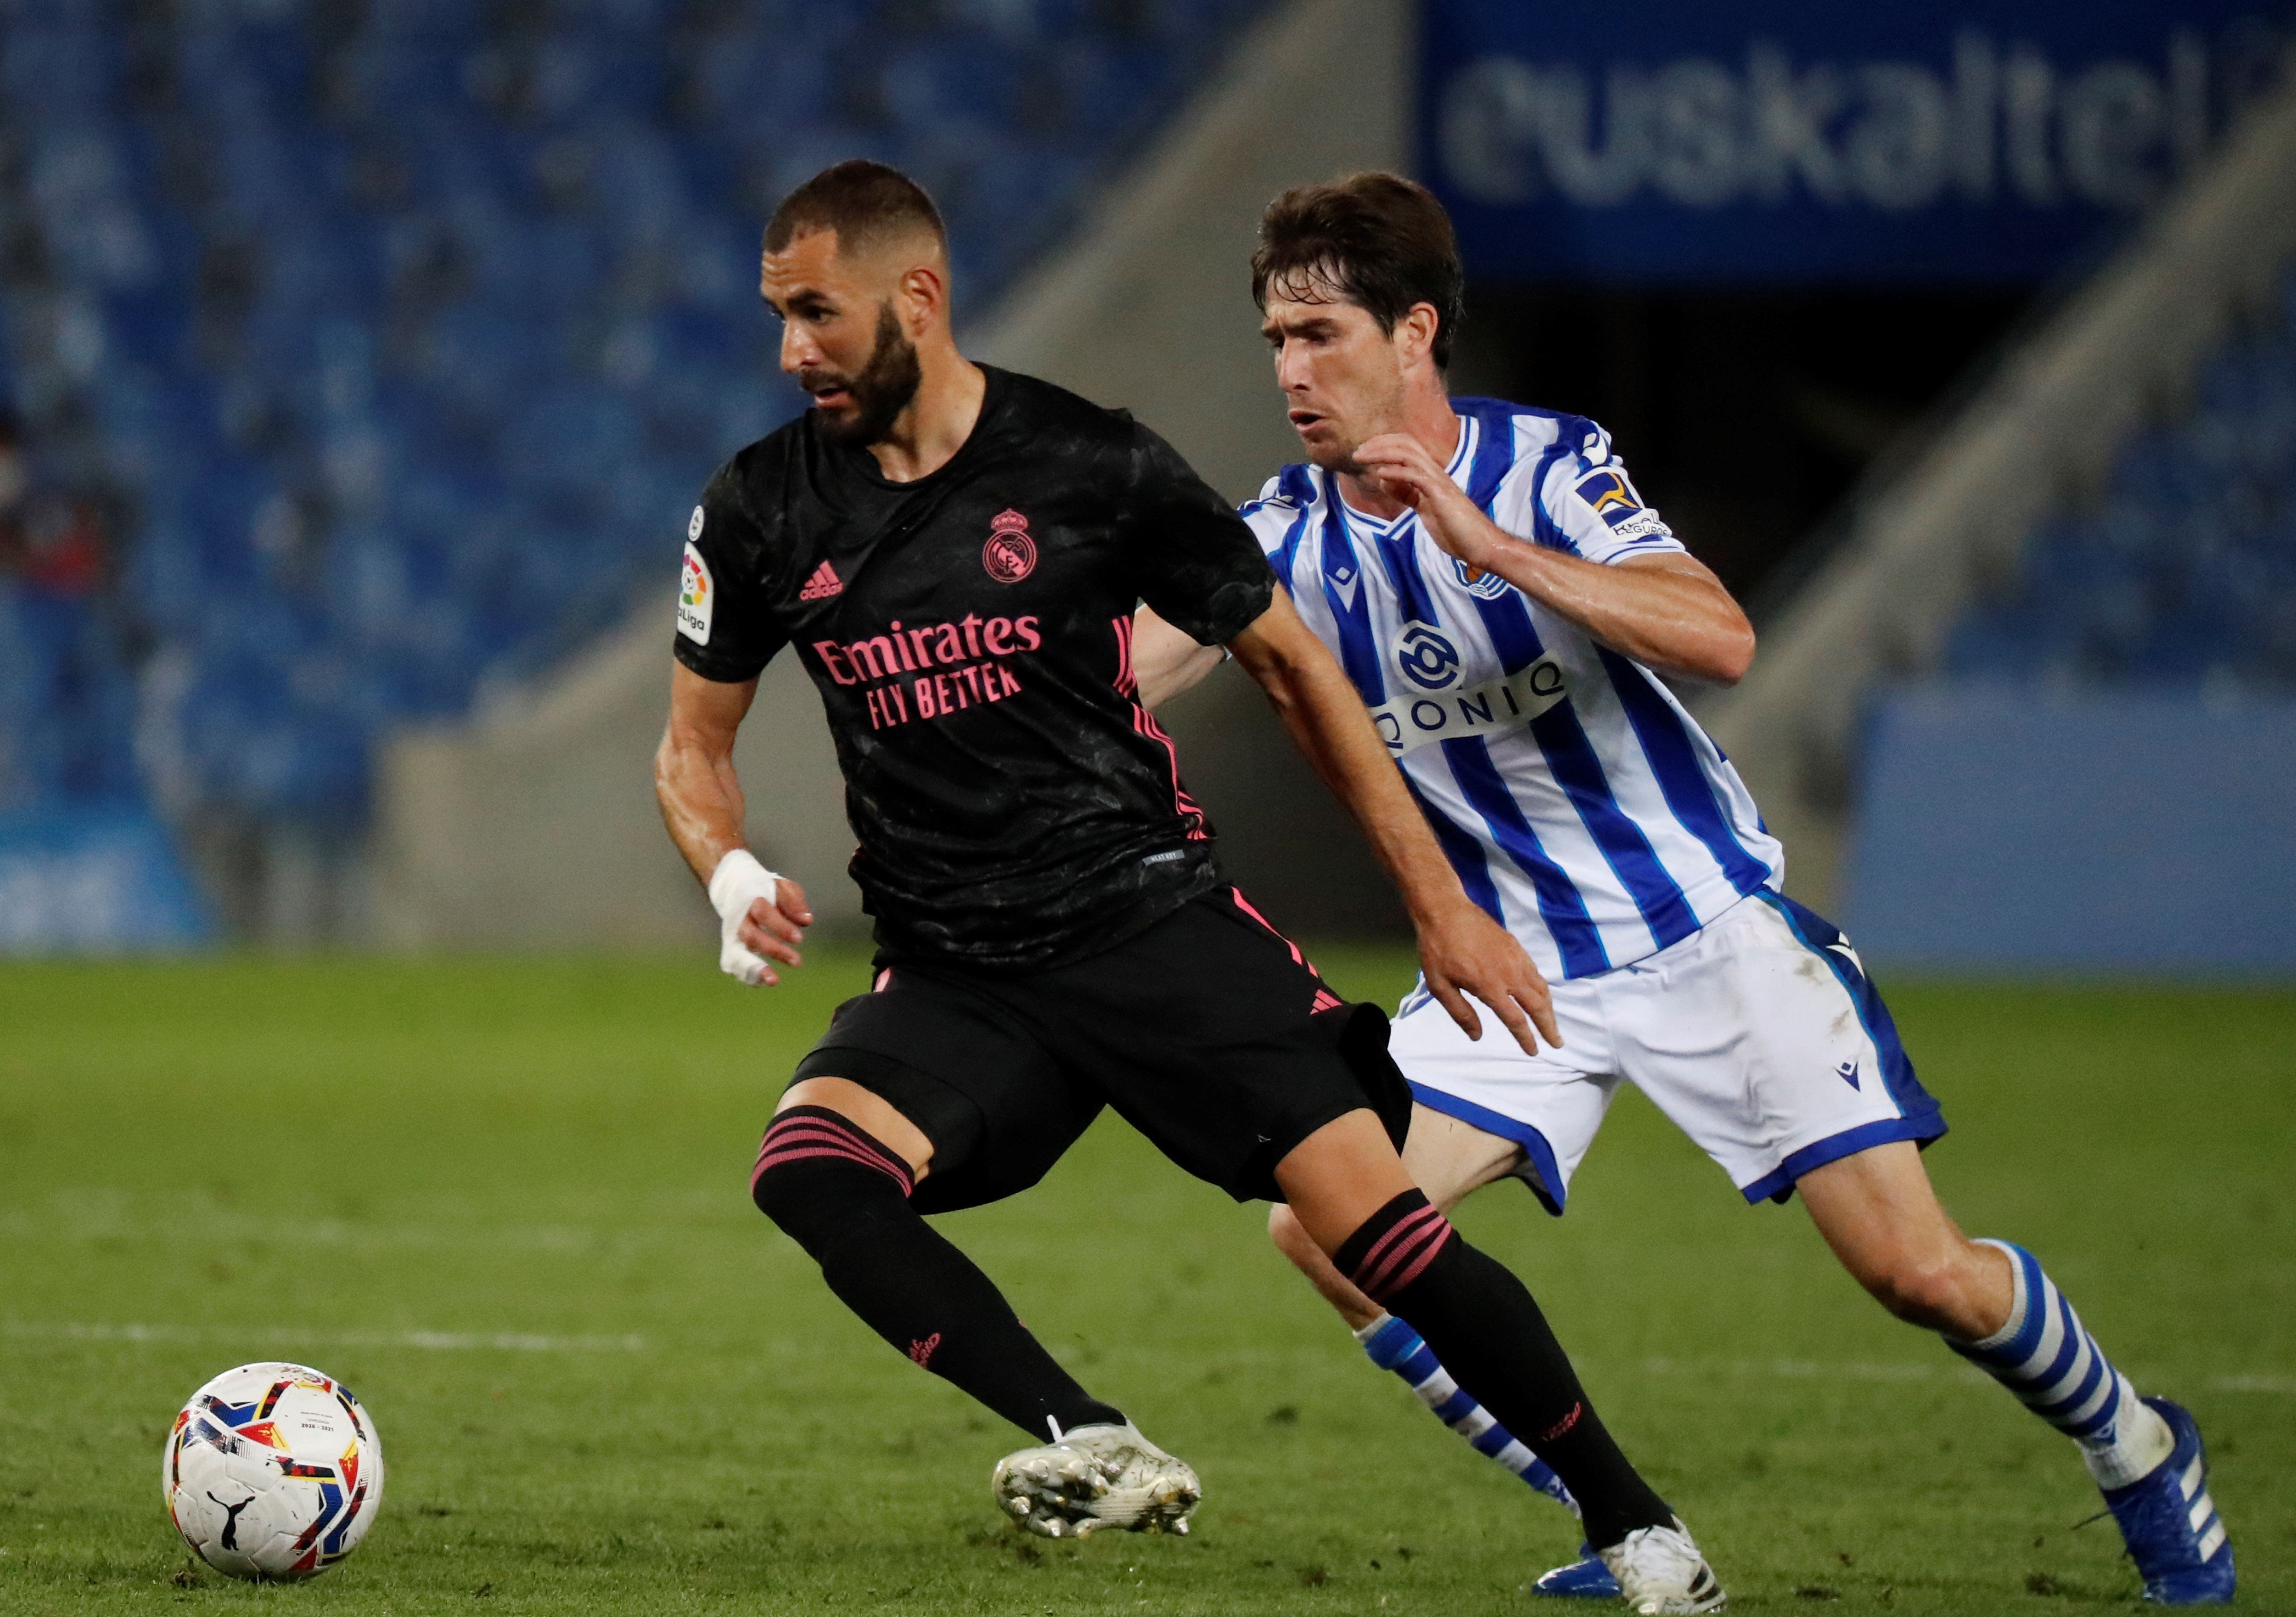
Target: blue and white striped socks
[[2045, 1356], [1395, 1346]]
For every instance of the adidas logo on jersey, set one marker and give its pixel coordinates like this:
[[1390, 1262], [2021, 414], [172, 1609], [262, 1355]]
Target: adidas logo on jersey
[[823, 584]]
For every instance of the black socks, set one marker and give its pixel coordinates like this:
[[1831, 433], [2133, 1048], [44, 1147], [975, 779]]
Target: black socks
[[844, 1197], [1484, 1327]]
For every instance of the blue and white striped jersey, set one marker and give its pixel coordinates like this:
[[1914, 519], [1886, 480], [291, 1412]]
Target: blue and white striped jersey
[[1581, 805]]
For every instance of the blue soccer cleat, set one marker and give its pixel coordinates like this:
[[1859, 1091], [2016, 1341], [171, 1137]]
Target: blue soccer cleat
[[2171, 1525], [1585, 1578]]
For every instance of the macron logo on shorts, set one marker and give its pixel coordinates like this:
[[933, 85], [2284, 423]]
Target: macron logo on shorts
[[823, 584]]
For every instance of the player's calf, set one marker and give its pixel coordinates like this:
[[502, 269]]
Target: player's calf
[[2144, 1454], [1483, 1325], [1934, 1295], [1393, 1345], [844, 1197], [1995, 1307]]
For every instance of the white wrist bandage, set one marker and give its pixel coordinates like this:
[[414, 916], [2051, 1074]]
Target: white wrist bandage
[[738, 882]]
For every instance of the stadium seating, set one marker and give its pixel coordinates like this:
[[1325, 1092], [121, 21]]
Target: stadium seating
[[2185, 574], [2101, 776], [402, 335]]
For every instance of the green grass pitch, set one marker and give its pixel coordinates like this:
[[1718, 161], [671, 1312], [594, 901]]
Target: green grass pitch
[[503, 1201]]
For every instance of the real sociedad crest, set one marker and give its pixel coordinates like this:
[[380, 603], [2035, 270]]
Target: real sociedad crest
[[1483, 585], [1011, 554]]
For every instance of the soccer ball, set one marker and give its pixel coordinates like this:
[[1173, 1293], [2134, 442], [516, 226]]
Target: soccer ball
[[272, 1472]]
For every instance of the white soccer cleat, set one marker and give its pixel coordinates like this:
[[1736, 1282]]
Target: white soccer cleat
[[1659, 1570], [1095, 1477]]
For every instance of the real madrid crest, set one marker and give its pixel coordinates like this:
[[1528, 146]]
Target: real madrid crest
[[1011, 554]]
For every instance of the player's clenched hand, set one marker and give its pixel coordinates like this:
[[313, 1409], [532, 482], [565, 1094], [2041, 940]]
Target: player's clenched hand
[[760, 916], [1464, 949]]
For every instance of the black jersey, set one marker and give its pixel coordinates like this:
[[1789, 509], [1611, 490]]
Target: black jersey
[[970, 633]]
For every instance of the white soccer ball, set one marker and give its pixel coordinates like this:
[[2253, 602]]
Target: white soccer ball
[[272, 1472]]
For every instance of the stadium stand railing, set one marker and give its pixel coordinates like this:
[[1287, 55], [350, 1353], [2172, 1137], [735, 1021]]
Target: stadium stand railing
[[397, 337]]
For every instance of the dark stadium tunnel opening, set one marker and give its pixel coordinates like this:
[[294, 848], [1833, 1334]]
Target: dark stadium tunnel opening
[[1746, 414]]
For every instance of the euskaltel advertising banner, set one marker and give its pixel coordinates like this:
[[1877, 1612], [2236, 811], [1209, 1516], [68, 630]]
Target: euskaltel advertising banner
[[1893, 141]]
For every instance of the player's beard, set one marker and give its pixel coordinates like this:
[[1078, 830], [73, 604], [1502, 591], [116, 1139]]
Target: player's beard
[[1378, 408], [880, 392]]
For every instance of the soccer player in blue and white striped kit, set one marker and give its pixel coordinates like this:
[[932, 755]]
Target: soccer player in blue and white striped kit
[[1492, 583]]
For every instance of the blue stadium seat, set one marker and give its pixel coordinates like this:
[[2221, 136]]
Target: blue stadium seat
[[79, 185], [411, 330], [57, 69], [2186, 574]]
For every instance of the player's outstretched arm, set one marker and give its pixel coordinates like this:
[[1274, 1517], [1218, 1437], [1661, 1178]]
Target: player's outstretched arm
[[1460, 948], [1668, 612], [1167, 661], [764, 916]]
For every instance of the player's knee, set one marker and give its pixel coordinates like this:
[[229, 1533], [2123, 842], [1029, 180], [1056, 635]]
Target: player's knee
[[786, 1193], [816, 1170], [778, 1194], [824, 1205], [1921, 1290]]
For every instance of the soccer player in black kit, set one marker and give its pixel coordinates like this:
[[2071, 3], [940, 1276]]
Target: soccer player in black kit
[[955, 554]]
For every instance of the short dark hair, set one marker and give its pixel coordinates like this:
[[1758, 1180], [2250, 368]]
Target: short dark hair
[[1380, 240], [866, 203]]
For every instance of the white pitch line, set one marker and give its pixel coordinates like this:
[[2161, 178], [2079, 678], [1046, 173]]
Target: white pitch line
[[34, 1228], [522, 1342], [1809, 1369], [1870, 1370], [2255, 1384], [513, 1341]]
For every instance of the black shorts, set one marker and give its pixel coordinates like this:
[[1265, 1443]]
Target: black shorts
[[1208, 1032]]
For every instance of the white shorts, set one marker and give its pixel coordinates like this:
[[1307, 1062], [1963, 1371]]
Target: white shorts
[[1757, 1035]]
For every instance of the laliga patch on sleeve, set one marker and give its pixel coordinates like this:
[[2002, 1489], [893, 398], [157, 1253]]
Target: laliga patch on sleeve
[[1642, 525], [1612, 496], [697, 594], [1614, 500]]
